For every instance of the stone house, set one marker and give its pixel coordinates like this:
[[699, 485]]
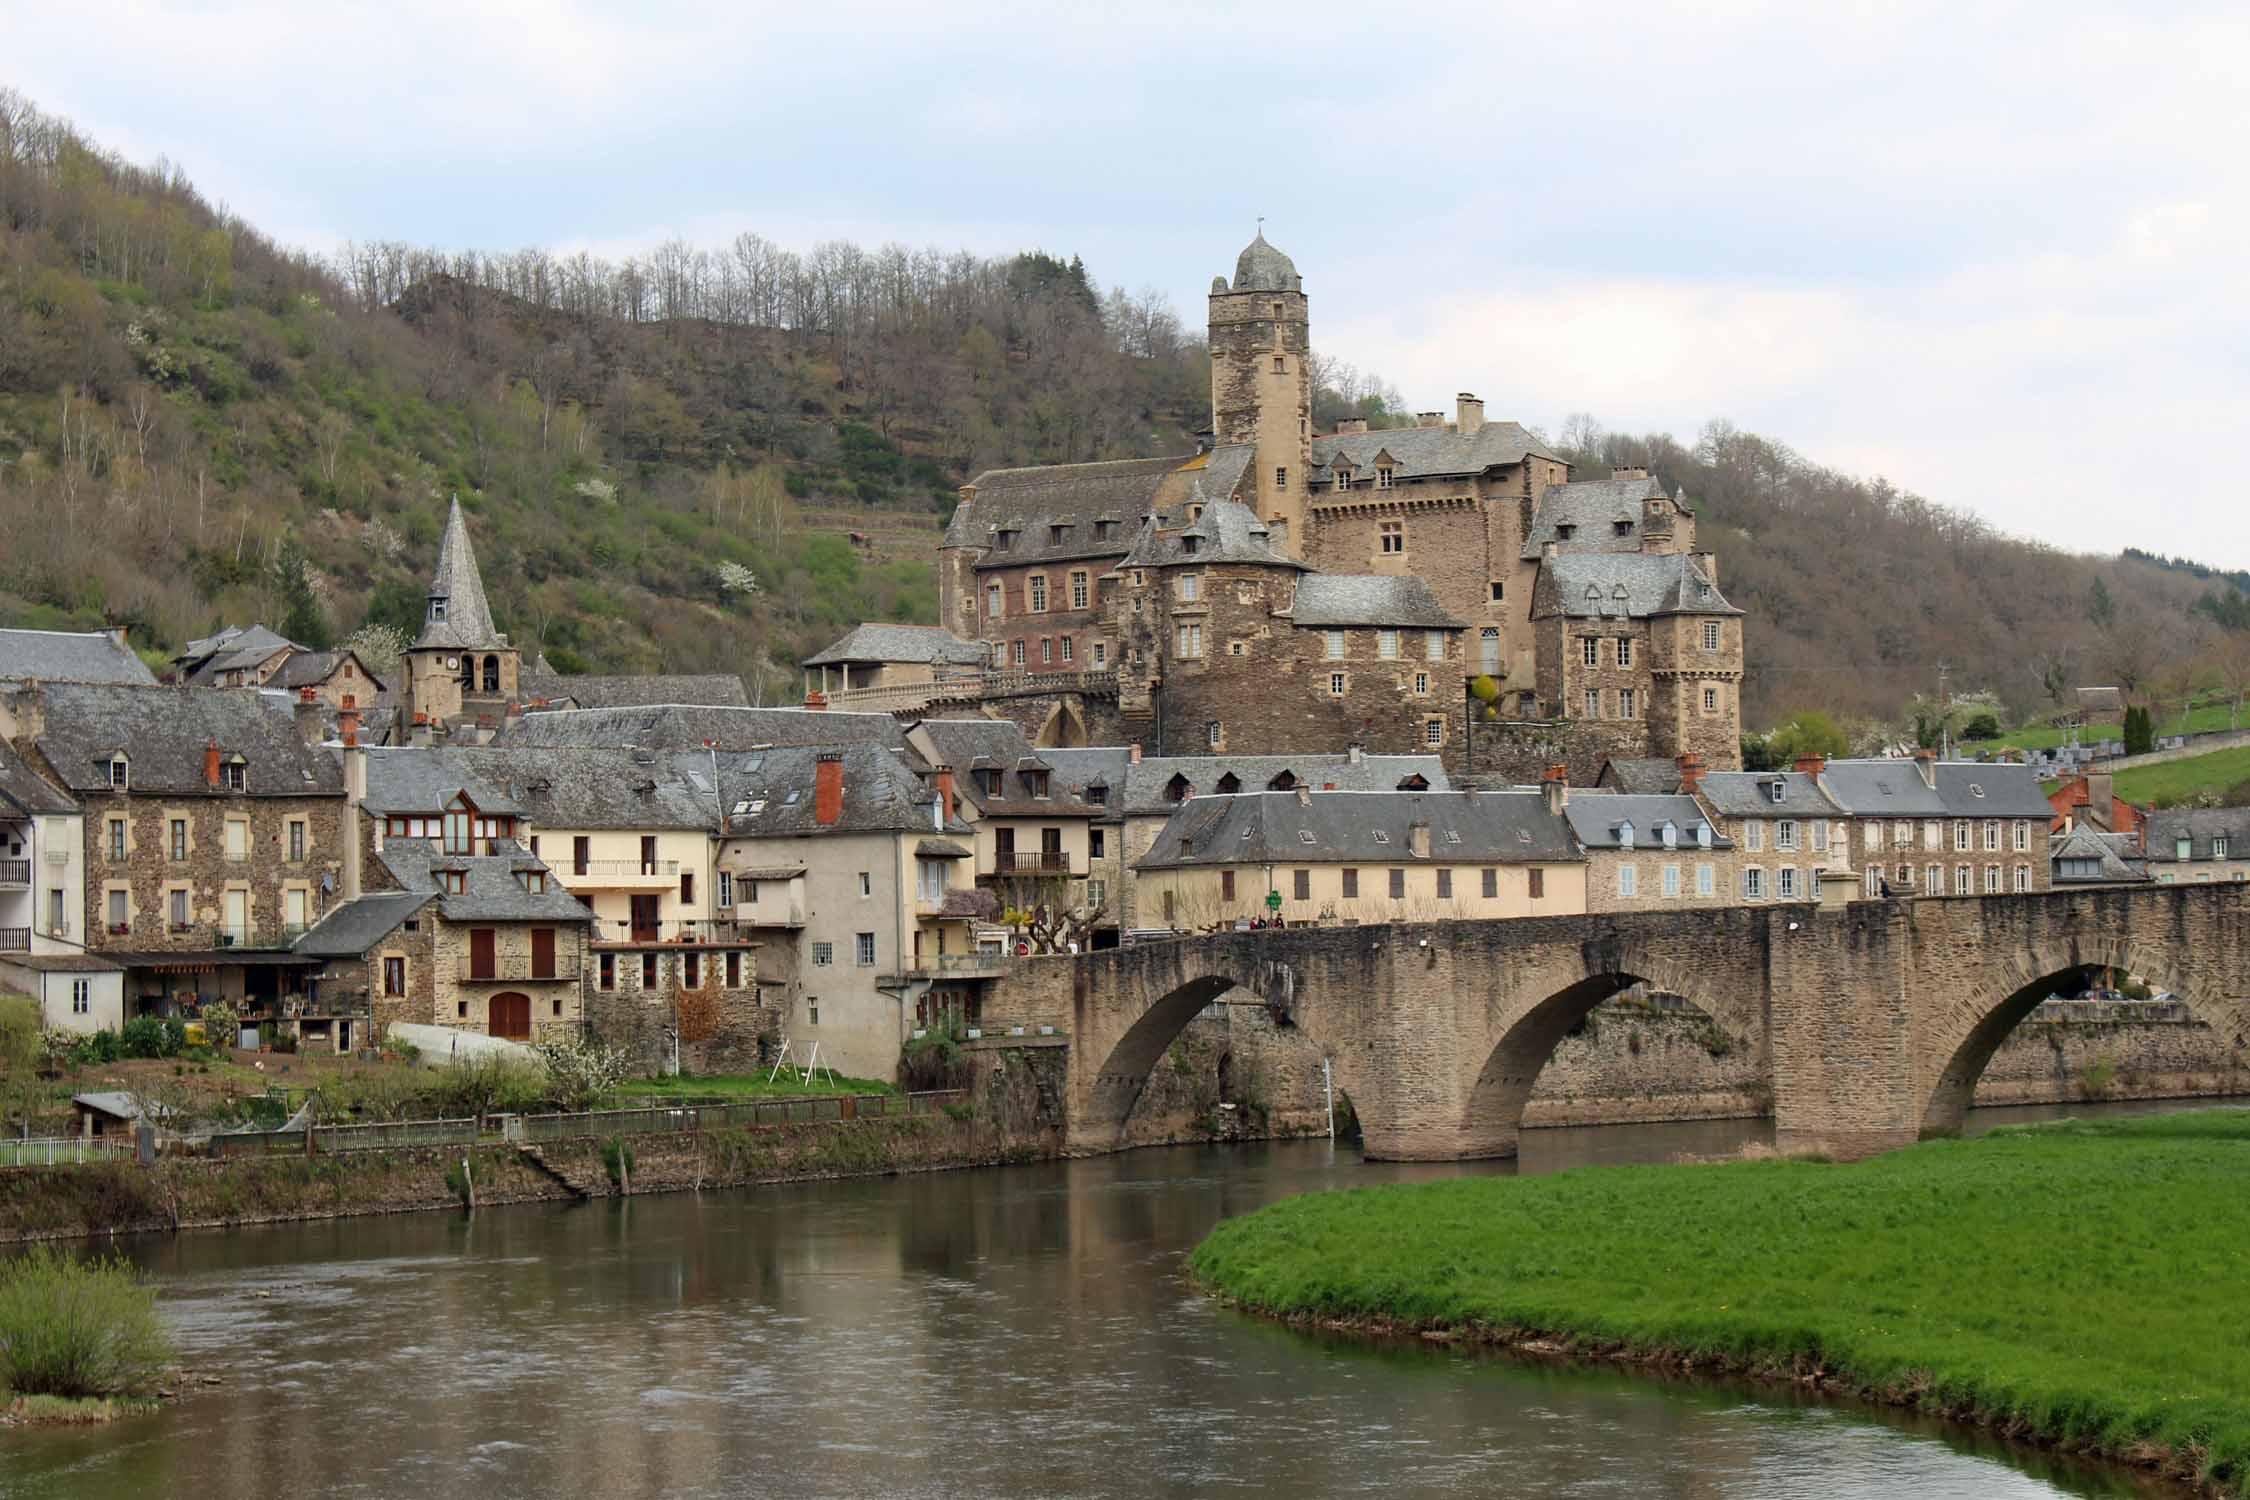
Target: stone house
[[1647, 853], [878, 666], [238, 656], [1934, 827], [859, 888], [213, 835], [1478, 514], [1359, 857], [2197, 845], [461, 673], [2086, 856], [1138, 794], [1033, 831], [1785, 827], [457, 931]]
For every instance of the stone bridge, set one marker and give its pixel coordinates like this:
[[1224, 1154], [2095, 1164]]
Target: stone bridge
[[1874, 1020]]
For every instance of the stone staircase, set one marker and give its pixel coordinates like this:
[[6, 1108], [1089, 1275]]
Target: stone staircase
[[583, 1182]]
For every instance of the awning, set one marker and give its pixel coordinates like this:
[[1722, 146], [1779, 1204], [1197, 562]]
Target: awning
[[940, 849]]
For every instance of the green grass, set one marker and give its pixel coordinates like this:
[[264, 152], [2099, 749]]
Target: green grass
[[2207, 717], [2082, 1282], [2177, 781], [745, 1086]]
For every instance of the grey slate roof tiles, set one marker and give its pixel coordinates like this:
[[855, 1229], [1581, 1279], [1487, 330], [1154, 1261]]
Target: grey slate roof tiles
[[706, 689], [494, 894], [468, 620], [25, 790], [164, 731], [1272, 827], [771, 794], [1145, 788], [1893, 788], [1029, 501], [690, 726], [1368, 599], [1591, 510], [70, 656], [1619, 585], [2112, 854], [1425, 452], [1226, 532], [932, 644], [2163, 830], [1599, 818], [352, 928], [1749, 794]]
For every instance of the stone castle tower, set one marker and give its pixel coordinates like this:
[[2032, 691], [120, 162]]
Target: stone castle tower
[[1261, 384], [460, 667]]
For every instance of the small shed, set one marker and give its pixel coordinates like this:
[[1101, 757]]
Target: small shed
[[111, 1112]]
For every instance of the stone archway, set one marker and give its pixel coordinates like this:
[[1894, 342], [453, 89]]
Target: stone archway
[[1962, 1037]]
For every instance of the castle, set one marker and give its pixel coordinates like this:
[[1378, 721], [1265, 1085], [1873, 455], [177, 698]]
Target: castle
[[1444, 587]]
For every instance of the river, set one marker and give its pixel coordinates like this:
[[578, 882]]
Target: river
[[1014, 1332]]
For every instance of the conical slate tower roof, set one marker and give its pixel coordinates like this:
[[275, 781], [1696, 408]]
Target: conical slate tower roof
[[1262, 268], [458, 616]]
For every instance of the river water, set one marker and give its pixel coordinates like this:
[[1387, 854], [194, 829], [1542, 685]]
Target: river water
[[1014, 1332]]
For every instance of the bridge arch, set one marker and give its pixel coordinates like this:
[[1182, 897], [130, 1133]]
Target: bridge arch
[[1526, 1034], [1964, 1033]]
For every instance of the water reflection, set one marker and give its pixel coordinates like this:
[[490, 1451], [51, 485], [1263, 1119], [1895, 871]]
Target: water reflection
[[1007, 1333]]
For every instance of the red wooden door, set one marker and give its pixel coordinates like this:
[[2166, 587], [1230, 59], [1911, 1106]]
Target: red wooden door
[[511, 1017], [542, 952], [480, 954]]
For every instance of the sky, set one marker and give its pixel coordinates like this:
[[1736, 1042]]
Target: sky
[[1995, 253]]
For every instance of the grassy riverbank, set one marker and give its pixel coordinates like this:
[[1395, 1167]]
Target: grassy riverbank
[[2082, 1283]]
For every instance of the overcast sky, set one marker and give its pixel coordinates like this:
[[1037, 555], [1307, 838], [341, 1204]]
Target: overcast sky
[[1994, 252]]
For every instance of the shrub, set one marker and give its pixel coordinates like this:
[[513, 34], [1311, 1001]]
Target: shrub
[[617, 1156], [153, 1036], [933, 1061], [71, 1327], [21, 1048], [578, 1073], [96, 1048]]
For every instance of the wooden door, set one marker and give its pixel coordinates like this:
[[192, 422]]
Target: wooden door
[[1004, 851], [644, 918], [511, 1017], [481, 964], [542, 952]]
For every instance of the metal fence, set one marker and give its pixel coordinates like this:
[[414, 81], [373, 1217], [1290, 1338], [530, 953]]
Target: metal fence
[[380, 1136], [65, 1150]]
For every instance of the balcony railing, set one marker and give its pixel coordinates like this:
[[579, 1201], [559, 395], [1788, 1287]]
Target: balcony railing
[[1033, 862], [517, 968], [15, 940], [957, 965], [768, 913], [15, 872], [610, 932], [626, 871]]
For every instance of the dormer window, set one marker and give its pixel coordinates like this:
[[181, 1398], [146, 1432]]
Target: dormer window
[[1343, 475], [1055, 535], [453, 882], [120, 773], [1702, 835], [1778, 791], [437, 611], [1670, 834], [534, 881], [460, 826], [235, 775], [1625, 835], [1005, 541], [1621, 528], [1386, 477], [1564, 532], [1103, 530], [1034, 782], [1098, 795], [1189, 544]]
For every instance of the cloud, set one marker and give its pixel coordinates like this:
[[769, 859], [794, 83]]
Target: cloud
[[1992, 251]]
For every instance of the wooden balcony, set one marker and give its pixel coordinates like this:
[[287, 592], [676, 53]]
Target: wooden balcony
[[619, 874], [517, 968]]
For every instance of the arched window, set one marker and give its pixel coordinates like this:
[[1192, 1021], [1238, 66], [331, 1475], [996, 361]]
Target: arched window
[[492, 674]]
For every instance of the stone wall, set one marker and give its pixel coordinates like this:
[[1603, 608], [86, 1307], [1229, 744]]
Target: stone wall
[[725, 1029], [264, 870]]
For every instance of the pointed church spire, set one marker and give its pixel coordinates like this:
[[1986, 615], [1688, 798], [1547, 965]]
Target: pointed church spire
[[457, 614]]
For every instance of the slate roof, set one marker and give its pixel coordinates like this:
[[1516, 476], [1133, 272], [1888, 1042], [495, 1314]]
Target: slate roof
[[69, 656], [1344, 599], [689, 726], [706, 689], [25, 789], [352, 928], [1138, 790], [1617, 585], [2199, 826], [420, 779], [1424, 452], [970, 745], [1262, 268], [1597, 819], [468, 620], [312, 668], [1226, 532], [163, 732], [60, 963], [1749, 794], [1592, 509], [493, 895], [1029, 501], [931, 644], [582, 787], [770, 794], [2113, 852], [237, 648], [1893, 788], [1270, 827], [1642, 775]]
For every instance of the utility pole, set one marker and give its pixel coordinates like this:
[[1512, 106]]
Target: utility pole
[[1945, 714]]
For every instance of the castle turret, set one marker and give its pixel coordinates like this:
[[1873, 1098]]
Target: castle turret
[[459, 664], [1261, 381]]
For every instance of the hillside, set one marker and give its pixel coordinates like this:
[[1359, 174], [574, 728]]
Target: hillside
[[198, 425]]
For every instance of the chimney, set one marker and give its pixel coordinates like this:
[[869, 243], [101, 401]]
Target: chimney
[[1709, 563], [1556, 784], [1355, 752], [1351, 426], [1925, 761], [1133, 755], [1812, 765], [1418, 840], [211, 763], [1468, 414], [815, 699], [1691, 772], [2101, 800], [944, 776], [347, 728], [1429, 419], [1549, 551], [968, 496], [420, 733], [355, 793], [1628, 473], [117, 634], [1304, 795], [307, 710], [828, 787]]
